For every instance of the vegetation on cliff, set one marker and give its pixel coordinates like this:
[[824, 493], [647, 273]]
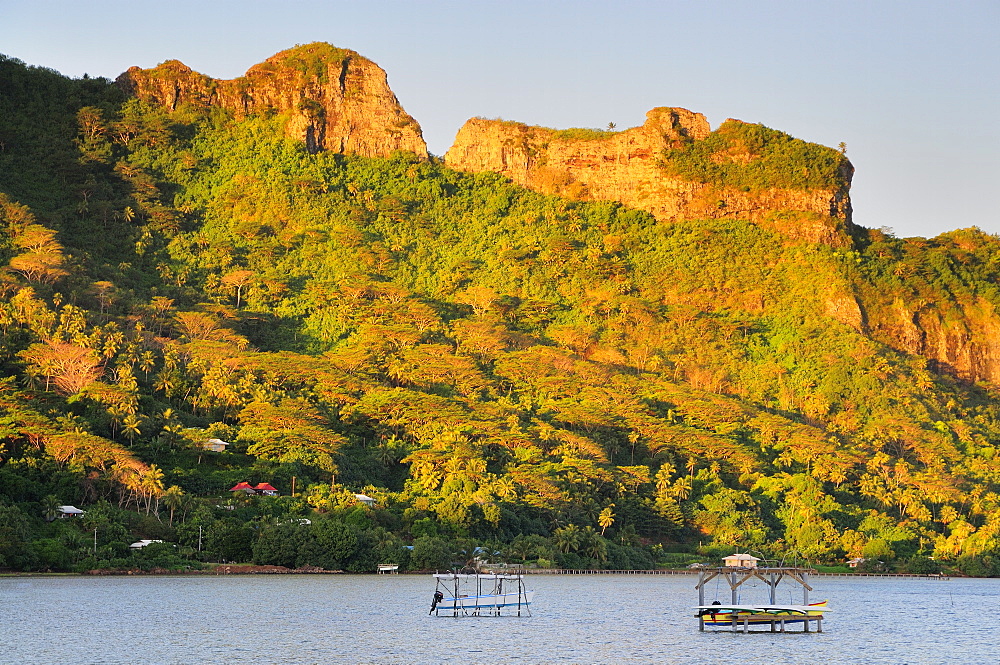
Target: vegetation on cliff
[[561, 382], [752, 157]]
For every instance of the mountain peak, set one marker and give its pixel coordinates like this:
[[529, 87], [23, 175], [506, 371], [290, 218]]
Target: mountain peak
[[335, 99]]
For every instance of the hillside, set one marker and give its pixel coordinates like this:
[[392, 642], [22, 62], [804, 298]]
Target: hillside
[[565, 380]]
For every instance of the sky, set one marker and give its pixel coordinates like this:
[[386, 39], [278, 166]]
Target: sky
[[911, 86]]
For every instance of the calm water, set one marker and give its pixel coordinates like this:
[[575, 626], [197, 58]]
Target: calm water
[[383, 619]]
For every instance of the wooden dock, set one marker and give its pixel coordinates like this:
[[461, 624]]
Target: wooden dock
[[695, 571], [589, 571]]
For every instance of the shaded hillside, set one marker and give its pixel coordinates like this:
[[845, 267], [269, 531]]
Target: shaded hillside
[[573, 382]]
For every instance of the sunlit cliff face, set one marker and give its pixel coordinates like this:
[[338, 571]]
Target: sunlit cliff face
[[336, 99]]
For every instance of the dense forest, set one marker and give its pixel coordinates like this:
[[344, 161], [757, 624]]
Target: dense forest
[[509, 375]]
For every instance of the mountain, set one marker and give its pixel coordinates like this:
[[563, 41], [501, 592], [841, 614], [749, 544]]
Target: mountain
[[574, 347], [335, 99], [675, 168]]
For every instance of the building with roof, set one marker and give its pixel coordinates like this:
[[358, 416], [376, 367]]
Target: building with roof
[[265, 490], [70, 511], [740, 561], [262, 489], [215, 445]]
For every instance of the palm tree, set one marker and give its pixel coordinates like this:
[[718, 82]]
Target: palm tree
[[75, 543], [173, 498], [606, 518], [682, 488], [593, 544], [152, 485], [131, 424], [386, 454], [50, 507], [568, 538], [172, 427], [505, 488]]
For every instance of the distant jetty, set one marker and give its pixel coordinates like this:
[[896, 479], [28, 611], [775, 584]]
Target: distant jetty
[[221, 569]]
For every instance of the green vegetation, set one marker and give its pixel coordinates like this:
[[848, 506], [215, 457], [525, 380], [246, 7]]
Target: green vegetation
[[560, 383], [312, 60], [571, 134], [581, 134], [752, 157]]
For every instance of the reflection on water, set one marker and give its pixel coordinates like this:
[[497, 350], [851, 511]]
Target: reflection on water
[[383, 619]]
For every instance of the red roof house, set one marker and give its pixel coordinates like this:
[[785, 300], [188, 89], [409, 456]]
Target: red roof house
[[266, 490], [243, 487]]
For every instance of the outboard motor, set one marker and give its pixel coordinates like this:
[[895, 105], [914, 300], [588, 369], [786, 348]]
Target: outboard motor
[[438, 597]]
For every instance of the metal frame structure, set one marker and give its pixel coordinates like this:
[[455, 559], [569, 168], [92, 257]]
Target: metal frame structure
[[481, 594]]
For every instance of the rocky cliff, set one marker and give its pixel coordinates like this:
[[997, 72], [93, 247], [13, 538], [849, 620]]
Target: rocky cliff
[[336, 99], [964, 343], [634, 167]]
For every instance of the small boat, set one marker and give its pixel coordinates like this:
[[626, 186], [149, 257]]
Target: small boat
[[743, 615], [480, 594]]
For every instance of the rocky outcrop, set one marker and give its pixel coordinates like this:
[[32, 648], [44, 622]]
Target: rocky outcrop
[[962, 340], [336, 99], [628, 166]]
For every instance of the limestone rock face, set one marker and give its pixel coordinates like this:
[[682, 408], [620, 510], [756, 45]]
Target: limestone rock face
[[627, 166], [337, 99]]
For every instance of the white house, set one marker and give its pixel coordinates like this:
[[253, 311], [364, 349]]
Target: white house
[[142, 543], [215, 445], [740, 561], [70, 511], [365, 499]]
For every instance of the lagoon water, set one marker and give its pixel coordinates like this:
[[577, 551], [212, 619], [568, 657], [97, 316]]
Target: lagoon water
[[383, 619]]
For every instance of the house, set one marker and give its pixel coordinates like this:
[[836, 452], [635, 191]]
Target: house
[[265, 489], [138, 545], [855, 562], [365, 499], [70, 511], [740, 561], [215, 445]]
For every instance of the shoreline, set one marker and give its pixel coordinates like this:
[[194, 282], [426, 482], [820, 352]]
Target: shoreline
[[249, 569]]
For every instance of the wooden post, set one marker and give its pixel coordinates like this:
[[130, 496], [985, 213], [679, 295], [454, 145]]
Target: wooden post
[[732, 585], [805, 588], [782, 625], [819, 624], [701, 599]]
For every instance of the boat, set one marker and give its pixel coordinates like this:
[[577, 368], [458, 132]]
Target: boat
[[763, 614], [480, 594]]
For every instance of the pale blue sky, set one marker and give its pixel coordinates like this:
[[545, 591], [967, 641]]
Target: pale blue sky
[[912, 87]]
